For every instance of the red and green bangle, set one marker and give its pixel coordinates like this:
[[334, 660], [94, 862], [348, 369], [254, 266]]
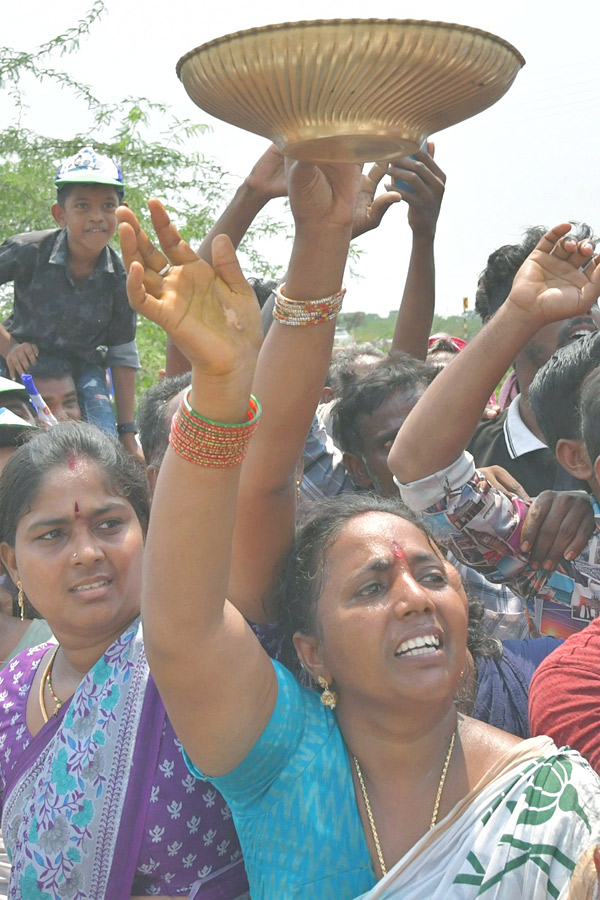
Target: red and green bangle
[[213, 444]]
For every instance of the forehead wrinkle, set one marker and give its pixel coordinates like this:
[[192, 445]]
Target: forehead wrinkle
[[77, 514], [376, 564], [394, 408], [377, 537]]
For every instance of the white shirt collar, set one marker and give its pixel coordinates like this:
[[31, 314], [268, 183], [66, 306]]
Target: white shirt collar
[[519, 439]]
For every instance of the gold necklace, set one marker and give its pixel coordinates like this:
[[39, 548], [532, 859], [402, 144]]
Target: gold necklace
[[436, 805], [47, 679]]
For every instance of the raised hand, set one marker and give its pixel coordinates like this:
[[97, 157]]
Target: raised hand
[[370, 210], [267, 177], [211, 313], [551, 285], [427, 183], [322, 195], [322, 200]]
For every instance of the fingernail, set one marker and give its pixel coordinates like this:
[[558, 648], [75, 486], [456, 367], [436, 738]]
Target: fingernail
[[525, 546], [570, 554], [548, 565]]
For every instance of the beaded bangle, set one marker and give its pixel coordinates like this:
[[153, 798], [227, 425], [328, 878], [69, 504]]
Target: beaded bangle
[[213, 444], [306, 312]]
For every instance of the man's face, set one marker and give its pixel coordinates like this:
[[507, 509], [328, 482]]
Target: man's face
[[61, 396], [552, 337], [378, 431]]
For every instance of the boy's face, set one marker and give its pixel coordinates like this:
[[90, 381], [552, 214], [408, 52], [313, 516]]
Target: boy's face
[[89, 214]]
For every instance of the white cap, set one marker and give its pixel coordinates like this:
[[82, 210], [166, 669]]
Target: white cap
[[89, 167], [10, 421], [12, 387]]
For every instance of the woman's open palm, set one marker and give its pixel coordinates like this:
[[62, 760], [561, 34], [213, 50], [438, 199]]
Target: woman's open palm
[[211, 313]]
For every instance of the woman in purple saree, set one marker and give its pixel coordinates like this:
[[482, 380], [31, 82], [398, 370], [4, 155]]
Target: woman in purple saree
[[97, 801]]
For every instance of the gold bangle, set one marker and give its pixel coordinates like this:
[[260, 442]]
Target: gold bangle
[[306, 312]]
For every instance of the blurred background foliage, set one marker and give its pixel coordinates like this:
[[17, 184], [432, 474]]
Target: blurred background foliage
[[153, 147]]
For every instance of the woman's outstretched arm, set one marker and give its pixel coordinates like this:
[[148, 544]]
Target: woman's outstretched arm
[[290, 375], [218, 685]]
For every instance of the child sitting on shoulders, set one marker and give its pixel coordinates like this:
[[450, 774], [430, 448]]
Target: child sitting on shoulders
[[69, 294]]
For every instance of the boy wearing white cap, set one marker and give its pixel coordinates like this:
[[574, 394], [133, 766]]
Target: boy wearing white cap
[[69, 293]]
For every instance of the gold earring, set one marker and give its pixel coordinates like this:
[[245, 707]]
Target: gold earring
[[21, 599], [328, 697]]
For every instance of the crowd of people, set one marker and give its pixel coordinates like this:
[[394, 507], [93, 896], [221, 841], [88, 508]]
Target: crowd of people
[[307, 623]]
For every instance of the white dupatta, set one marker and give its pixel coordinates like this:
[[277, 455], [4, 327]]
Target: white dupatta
[[519, 833]]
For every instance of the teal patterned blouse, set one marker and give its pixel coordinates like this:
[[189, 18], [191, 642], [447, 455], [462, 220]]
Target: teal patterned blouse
[[294, 805]]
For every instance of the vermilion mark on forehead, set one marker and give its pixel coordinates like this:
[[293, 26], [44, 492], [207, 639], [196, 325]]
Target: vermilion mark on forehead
[[397, 550], [72, 462], [76, 511]]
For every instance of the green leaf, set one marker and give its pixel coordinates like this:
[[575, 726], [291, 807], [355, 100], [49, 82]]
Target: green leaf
[[193, 187], [535, 817]]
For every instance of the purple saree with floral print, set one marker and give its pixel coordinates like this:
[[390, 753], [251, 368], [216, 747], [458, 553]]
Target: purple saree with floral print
[[100, 803]]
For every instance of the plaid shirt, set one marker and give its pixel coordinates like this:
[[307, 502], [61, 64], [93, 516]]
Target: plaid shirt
[[324, 473]]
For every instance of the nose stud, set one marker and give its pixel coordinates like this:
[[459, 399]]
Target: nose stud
[[74, 556]]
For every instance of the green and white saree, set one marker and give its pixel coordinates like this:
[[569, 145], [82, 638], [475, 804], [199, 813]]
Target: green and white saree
[[518, 834]]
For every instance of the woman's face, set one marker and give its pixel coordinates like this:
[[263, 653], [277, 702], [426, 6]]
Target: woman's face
[[78, 554], [392, 615]]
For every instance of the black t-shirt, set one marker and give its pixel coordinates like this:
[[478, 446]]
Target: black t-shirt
[[50, 310], [537, 470]]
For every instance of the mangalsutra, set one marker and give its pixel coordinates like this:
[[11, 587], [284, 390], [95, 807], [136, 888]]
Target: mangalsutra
[[47, 680], [436, 805]]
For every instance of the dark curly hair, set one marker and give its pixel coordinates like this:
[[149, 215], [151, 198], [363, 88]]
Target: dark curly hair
[[343, 369], [555, 392], [152, 421], [398, 371]]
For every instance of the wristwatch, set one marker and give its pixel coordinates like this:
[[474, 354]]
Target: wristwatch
[[126, 428]]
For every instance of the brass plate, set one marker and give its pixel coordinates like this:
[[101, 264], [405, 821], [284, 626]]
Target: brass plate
[[349, 90]]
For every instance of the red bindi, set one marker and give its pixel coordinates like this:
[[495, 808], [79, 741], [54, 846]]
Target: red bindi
[[397, 550], [72, 462], [76, 511]]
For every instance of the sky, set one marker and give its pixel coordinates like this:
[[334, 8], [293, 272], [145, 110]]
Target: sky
[[529, 160]]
